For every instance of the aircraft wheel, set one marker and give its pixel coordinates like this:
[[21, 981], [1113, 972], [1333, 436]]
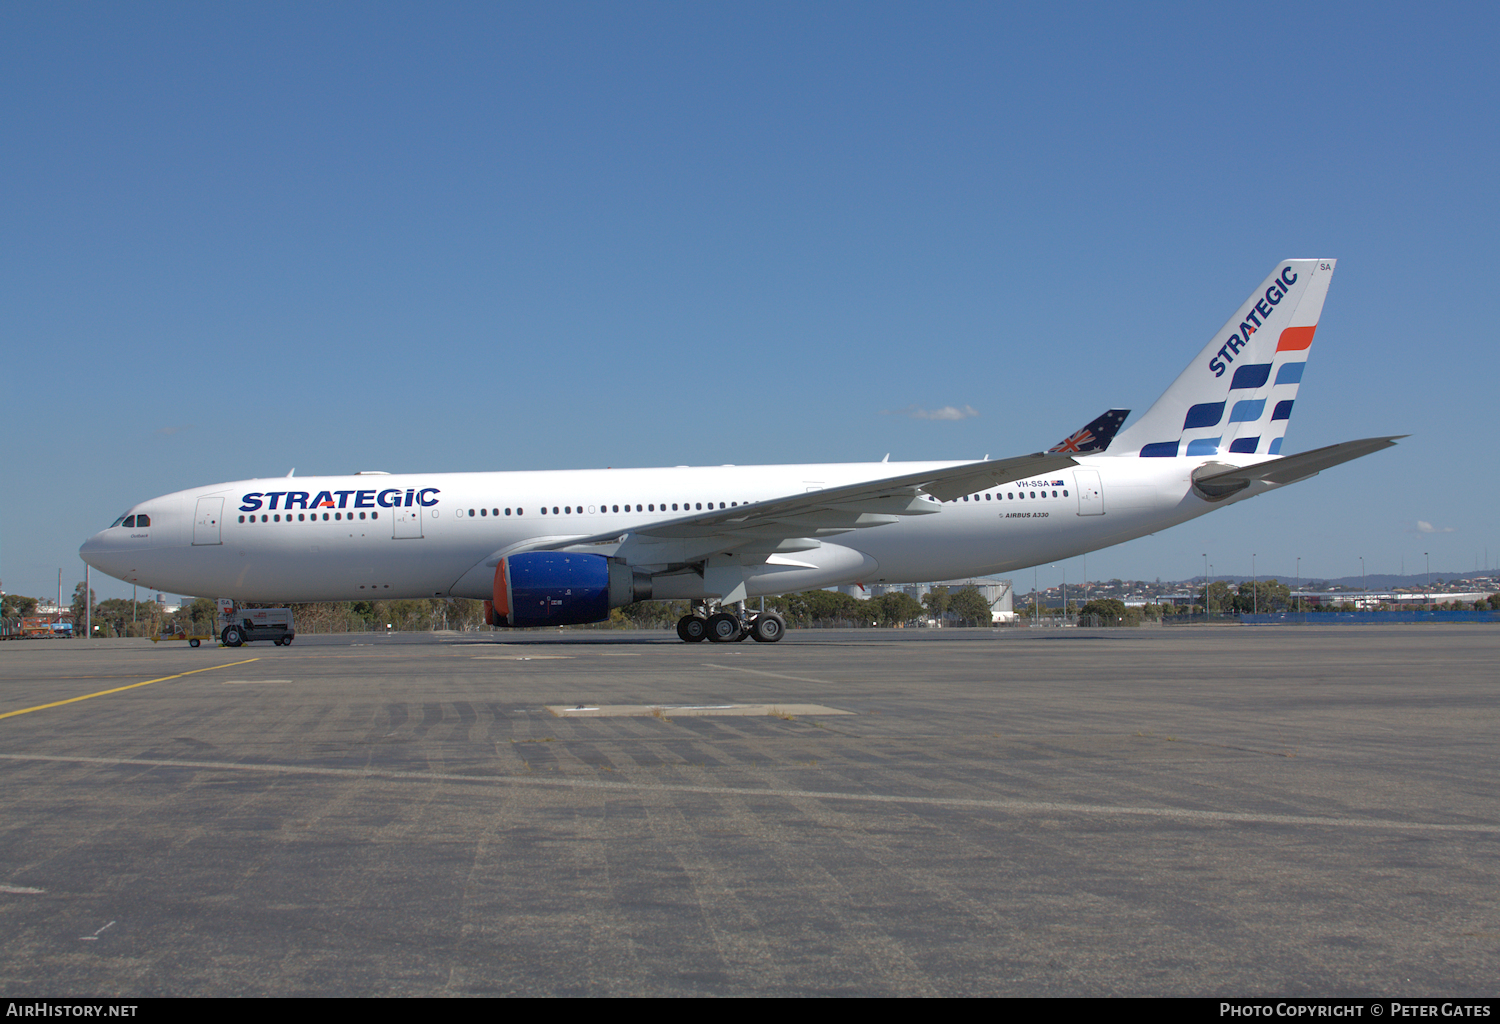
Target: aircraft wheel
[[692, 629], [232, 637], [723, 628], [767, 628], [193, 643]]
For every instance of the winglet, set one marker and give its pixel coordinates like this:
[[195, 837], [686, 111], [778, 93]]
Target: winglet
[[1093, 438]]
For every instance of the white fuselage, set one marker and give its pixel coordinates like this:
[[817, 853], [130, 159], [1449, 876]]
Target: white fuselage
[[437, 535]]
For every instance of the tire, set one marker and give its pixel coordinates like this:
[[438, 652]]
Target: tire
[[724, 628], [232, 636], [692, 629], [193, 643], [767, 628]]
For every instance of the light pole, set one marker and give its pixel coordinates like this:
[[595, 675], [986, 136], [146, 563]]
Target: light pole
[[1362, 584], [1254, 587], [1205, 584], [1299, 585], [1429, 576]]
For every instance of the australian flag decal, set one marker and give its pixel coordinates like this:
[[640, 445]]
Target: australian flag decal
[[1093, 438]]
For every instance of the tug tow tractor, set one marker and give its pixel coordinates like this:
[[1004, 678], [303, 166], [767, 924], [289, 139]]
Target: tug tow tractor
[[244, 625]]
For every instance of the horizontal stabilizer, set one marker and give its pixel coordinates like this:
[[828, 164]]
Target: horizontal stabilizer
[[1292, 468]]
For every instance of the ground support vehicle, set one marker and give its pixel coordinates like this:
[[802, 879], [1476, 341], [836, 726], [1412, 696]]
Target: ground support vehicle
[[193, 639], [244, 625]]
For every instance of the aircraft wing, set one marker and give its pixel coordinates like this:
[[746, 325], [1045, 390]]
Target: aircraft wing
[[766, 527]]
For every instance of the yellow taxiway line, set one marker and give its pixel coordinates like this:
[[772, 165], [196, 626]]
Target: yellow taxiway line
[[120, 689]]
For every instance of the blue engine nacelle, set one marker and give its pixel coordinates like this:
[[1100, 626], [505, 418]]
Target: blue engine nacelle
[[561, 588]]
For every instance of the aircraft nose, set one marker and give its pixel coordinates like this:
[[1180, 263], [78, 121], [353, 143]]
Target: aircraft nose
[[99, 552]]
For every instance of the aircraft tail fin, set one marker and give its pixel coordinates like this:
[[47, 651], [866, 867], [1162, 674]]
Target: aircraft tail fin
[[1237, 395]]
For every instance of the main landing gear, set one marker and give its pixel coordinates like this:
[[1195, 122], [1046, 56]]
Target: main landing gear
[[730, 627]]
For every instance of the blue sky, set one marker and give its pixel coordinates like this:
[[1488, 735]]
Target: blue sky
[[240, 238]]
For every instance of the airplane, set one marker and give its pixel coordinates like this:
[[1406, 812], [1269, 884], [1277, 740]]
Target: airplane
[[565, 547]]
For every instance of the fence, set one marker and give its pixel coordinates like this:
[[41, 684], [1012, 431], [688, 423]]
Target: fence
[[1366, 618]]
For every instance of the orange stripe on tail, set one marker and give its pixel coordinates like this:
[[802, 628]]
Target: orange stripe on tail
[[1296, 339]]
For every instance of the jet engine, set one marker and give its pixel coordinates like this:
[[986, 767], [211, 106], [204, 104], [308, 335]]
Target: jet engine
[[561, 588]]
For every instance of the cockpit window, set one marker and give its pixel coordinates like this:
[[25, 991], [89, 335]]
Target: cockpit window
[[129, 521], [142, 520], [117, 522]]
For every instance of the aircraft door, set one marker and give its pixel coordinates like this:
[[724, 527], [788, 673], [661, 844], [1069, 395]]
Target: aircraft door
[[206, 521], [408, 523], [1090, 492]]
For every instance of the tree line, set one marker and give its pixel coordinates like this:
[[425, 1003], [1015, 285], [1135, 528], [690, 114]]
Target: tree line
[[815, 609], [121, 617]]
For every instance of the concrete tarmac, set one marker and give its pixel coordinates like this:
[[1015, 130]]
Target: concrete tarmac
[[1184, 811]]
